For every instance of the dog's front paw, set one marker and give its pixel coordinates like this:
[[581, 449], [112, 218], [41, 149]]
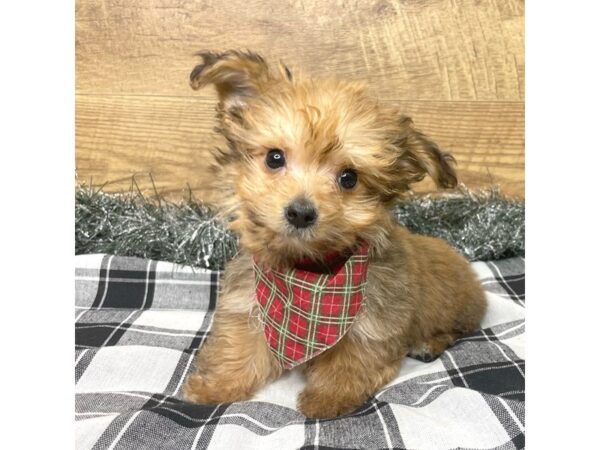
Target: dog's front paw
[[319, 405], [201, 389]]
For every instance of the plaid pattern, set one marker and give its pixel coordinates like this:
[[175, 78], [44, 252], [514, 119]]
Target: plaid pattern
[[305, 313], [138, 325]]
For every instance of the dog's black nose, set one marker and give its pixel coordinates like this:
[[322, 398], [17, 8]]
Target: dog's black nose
[[301, 213]]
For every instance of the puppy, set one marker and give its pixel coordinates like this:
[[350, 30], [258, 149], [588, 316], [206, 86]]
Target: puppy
[[326, 279]]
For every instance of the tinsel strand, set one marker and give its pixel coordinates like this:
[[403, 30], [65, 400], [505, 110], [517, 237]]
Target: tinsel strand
[[482, 225]]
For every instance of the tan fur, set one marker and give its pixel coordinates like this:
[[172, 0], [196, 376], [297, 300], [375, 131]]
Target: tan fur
[[421, 294], [235, 361]]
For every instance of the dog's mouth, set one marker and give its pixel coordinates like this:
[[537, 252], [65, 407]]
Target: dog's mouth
[[302, 234], [318, 247], [316, 257]]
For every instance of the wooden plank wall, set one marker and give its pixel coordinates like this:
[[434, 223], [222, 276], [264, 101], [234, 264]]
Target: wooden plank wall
[[455, 66]]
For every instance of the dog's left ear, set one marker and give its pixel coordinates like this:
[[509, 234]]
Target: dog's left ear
[[418, 156], [237, 75]]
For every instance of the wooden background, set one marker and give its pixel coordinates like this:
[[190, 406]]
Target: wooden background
[[455, 66]]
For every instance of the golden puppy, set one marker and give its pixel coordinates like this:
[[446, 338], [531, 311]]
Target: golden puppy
[[325, 279]]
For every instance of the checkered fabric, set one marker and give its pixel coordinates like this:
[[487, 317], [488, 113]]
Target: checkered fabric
[[304, 313], [138, 324]]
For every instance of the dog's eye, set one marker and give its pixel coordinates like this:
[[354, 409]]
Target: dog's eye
[[275, 159], [348, 178]]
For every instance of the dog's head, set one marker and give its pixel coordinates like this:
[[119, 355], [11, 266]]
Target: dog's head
[[314, 165]]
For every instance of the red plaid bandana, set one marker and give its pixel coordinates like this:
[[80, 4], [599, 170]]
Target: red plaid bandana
[[303, 312]]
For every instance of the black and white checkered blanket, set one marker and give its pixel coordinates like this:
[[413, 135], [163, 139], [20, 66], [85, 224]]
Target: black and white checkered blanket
[[139, 323]]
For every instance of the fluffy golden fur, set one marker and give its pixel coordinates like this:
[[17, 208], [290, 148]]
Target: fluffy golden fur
[[421, 294]]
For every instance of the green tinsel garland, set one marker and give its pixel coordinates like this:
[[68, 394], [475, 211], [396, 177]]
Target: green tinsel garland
[[482, 225]]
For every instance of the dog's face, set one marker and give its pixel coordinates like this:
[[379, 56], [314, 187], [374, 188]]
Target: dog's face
[[314, 165]]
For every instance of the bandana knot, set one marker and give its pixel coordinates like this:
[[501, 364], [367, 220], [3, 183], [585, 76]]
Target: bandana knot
[[305, 313]]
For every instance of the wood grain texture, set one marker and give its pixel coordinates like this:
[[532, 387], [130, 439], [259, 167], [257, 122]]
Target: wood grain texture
[[455, 66]]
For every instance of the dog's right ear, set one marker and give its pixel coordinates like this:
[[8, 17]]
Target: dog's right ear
[[236, 75]]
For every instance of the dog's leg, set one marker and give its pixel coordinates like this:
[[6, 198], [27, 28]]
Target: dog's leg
[[233, 364], [344, 377], [435, 346]]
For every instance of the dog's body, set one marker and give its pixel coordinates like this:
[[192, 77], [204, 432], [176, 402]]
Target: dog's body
[[314, 167]]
